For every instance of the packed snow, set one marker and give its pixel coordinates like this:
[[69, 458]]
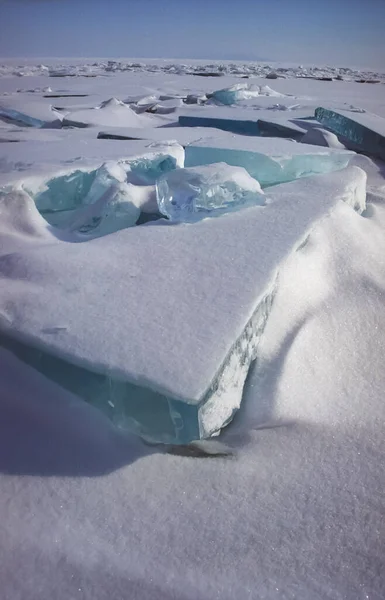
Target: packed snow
[[192, 330]]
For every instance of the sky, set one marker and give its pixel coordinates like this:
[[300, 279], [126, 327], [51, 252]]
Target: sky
[[335, 32]]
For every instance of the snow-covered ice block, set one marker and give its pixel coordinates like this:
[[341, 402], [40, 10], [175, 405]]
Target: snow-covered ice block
[[168, 106], [29, 112], [113, 112], [108, 206], [198, 192], [157, 324], [365, 130], [317, 136], [269, 160], [243, 91], [38, 165]]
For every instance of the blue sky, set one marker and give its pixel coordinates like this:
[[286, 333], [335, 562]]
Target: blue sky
[[340, 32]]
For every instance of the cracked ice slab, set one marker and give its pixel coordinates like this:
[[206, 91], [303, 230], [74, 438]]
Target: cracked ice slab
[[245, 121], [29, 112], [269, 160], [365, 130], [165, 314], [183, 135]]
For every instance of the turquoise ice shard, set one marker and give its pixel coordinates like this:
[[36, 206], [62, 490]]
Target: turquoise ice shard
[[268, 160], [193, 193], [366, 131], [113, 210], [96, 203]]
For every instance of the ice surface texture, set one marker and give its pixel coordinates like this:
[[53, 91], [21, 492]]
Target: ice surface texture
[[170, 312], [270, 161], [366, 131], [188, 194]]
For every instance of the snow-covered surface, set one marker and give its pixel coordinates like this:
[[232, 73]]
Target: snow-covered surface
[[297, 508]]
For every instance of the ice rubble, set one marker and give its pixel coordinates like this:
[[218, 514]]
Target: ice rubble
[[178, 317], [197, 192], [366, 131], [268, 160], [253, 69]]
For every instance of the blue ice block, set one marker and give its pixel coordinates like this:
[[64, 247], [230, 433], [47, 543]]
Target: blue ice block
[[365, 130]]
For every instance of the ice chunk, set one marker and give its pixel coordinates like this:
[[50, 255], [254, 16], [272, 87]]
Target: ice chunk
[[114, 210], [190, 194], [168, 106], [108, 206], [102, 200], [164, 314], [268, 160], [242, 91], [366, 131]]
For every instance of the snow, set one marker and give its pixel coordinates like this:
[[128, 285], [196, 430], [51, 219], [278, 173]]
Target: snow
[[111, 112], [288, 501], [183, 135], [321, 137]]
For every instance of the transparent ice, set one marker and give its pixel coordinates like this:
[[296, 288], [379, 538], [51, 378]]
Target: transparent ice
[[192, 193], [268, 170]]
